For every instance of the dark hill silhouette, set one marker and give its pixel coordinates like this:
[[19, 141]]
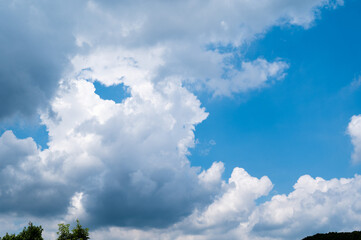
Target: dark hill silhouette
[[356, 235]]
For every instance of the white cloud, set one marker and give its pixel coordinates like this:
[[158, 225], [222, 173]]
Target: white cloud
[[229, 210], [252, 75], [212, 176], [227, 217], [13, 150], [141, 23], [354, 130], [125, 164], [237, 202], [135, 149], [26, 183], [177, 36], [315, 205], [35, 45], [52, 33]]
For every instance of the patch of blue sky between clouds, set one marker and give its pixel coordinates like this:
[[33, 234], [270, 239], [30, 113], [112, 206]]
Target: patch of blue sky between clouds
[[117, 93], [25, 128]]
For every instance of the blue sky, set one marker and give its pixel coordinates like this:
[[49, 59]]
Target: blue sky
[[181, 120], [297, 126]]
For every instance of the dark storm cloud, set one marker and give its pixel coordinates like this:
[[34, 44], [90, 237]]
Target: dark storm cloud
[[129, 161], [34, 198], [35, 43], [23, 188], [122, 203]]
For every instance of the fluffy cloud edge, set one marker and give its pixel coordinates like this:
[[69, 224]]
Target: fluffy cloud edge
[[354, 130], [315, 205]]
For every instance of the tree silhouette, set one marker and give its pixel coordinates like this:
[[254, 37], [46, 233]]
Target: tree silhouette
[[77, 233], [356, 235], [31, 232]]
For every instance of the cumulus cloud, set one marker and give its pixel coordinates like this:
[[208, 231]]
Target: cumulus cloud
[[237, 202], [141, 23], [26, 185], [230, 209], [252, 75], [125, 164], [112, 182], [125, 160], [39, 38], [354, 130], [128, 158], [186, 40], [35, 45], [315, 205]]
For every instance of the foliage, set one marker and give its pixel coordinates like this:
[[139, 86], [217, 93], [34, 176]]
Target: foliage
[[29, 233], [64, 233], [356, 235], [34, 233], [8, 237], [77, 233]]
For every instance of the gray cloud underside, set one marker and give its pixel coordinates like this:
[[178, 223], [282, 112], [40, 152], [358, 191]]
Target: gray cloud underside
[[35, 44], [125, 164], [38, 38]]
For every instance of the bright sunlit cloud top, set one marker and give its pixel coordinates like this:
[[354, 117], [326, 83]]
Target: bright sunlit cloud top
[[180, 119]]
